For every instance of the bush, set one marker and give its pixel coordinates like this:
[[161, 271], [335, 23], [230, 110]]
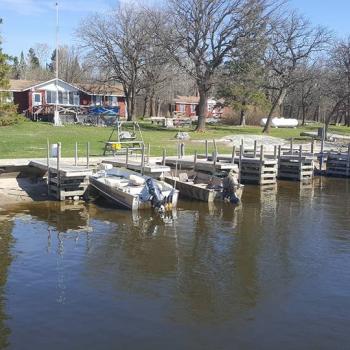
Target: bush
[[9, 115]]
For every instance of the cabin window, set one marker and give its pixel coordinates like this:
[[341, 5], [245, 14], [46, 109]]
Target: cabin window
[[65, 97], [60, 97], [112, 101], [37, 98], [193, 108], [50, 98], [71, 97], [76, 99], [98, 100], [182, 108]]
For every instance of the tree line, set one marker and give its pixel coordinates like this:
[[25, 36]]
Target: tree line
[[246, 53]]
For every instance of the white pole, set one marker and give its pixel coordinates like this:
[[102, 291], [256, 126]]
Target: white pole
[[56, 118]]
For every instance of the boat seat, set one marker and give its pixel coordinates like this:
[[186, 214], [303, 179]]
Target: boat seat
[[183, 177]]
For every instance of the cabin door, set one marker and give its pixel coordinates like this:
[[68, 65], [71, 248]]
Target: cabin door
[[36, 98]]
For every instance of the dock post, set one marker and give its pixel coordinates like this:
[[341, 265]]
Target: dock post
[[279, 152], [59, 149], [233, 154], [76, 154], [240, 162], [300, 162], [164, 156], [194, 160], [149, 152], [214, 156], [312, 146], [242, 148], [182, 150], [261, 153], [275, 152], [321, 157], [142, 159], [127, 158], [215, 147], [291, 146], [48, 167], [88, 155], [348, 162], [206, 149], [255, 145]]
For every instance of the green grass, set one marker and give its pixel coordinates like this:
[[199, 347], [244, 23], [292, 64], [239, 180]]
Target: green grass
[[28, 139]]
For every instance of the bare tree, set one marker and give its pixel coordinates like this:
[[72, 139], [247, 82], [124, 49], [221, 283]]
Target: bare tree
[[200, 34], [117, 44], [293, 44]]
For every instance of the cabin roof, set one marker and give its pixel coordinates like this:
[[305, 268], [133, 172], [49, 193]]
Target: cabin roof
[[90, 89], [186, 99]]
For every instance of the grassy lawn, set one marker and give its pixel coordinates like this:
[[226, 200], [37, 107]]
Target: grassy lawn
[[28, 139]]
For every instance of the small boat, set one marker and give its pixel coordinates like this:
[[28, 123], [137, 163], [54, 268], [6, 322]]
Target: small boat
[[206, 187], [134, 191]]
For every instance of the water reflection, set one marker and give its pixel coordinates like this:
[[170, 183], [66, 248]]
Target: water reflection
[[6, 241], [203, 271]]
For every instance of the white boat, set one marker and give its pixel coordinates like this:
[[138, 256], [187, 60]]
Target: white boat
[[281, 122], [204, 187], [134, 191]]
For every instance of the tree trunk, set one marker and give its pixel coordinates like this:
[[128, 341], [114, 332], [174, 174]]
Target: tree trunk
[[242, 119], [159, 105], [152, 106], [303, 115], [202, 109], [146, 107], [278, 102]]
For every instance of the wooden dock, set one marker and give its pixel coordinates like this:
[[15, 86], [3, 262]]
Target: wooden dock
[[66, 181], [338, 164], [151, 169], [192, 162]]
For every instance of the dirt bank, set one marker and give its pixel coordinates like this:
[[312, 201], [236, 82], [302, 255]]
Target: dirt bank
[[16, 190]]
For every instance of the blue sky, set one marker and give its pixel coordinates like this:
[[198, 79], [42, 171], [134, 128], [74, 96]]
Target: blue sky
[[27, 22]]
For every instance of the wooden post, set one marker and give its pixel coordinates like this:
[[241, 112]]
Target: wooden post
[[321, 157], [215, 147], [291, 146], [275, 152], [58, 170], [182, 150], [261, 153], [88, 154], [194, 160], [76, 154], [214, 156], [48, 167], [240, 162], [279, 152], [255, 145], [233, 154], [149, 152], [348, 162], [164, 156], [300, 161], [242, 148], [206, 149], [142, 159], [127, 158], [313, 146]]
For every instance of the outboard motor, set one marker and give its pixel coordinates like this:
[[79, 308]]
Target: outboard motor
[[157, 198]]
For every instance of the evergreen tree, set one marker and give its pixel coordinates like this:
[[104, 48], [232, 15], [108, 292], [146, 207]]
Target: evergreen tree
[[4, 71], [16, 72], [33, 60], [22, 66]]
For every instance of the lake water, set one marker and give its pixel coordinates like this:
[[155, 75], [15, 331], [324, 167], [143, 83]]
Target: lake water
[[273, 273]]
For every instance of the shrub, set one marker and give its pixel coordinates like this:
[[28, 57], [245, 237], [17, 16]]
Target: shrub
[[9, 115]]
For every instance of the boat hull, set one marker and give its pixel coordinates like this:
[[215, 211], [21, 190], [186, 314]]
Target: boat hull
[[190, 190]]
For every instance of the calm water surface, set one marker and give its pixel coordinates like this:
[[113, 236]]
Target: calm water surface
[[271, 274]]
